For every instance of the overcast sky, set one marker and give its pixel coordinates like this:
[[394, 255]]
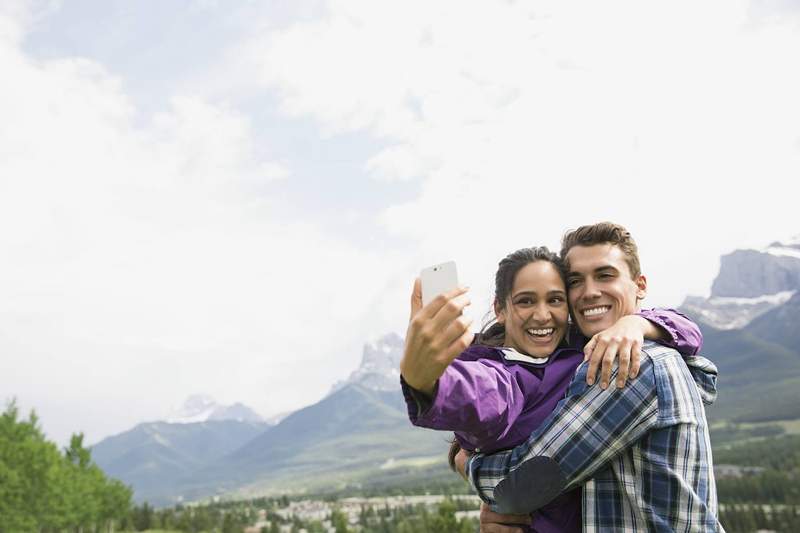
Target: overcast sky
[[231, 197]]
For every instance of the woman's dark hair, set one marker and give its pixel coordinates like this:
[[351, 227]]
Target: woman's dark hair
[[494, 333]]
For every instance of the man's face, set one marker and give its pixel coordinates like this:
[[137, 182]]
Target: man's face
[[600, 287]]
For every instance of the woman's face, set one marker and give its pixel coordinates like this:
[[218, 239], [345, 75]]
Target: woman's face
[[535, 314]]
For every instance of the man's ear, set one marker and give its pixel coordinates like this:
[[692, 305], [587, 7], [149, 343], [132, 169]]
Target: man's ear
[[641, 287]]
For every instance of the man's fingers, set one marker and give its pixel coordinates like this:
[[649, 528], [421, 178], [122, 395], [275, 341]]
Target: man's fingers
[[624, 364], [608, 363], [595, 359], [636, 355], [589, 348]]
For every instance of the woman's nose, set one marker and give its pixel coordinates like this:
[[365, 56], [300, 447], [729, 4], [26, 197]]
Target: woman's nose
[[541, 314]]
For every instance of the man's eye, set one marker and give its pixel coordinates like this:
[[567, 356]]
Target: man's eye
[[573, 282], [557, 300]]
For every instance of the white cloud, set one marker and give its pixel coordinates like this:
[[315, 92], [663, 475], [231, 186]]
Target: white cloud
[[679, 121], [144, 261]]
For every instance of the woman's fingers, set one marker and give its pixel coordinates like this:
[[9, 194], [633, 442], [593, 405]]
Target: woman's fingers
[[416, 299], [492, 522]]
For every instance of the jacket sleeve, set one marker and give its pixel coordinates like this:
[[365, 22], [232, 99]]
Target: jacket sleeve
[[477, 397], [683, 334], [588, 428]]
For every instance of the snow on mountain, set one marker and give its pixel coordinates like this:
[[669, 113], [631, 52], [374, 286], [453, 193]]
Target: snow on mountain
[[790, 248], [380, 365], [749, 284], [202, 407], [724, 312]]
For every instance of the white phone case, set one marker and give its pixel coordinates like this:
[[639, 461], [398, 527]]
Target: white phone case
[[438, 279]]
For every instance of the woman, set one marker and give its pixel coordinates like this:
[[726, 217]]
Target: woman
[[504, 385]]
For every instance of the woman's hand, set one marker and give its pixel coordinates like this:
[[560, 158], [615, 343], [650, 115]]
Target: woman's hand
[[492, 522], [437, 333], [624, 340]]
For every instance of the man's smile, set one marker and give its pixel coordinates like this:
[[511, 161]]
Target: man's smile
[[595, 311]]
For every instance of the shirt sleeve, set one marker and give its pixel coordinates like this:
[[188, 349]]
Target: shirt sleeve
[[684, 334], [478, 397], [588, 428]]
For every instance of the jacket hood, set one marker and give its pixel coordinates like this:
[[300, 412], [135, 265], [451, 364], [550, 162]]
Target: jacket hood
[[704, 373]]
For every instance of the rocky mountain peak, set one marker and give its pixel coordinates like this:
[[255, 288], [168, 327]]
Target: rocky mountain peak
[[749, 284], [380, 365]]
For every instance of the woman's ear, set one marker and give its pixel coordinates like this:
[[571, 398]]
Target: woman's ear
[[499, 313]]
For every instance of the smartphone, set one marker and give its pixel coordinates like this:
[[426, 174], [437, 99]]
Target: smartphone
[[438, 279]]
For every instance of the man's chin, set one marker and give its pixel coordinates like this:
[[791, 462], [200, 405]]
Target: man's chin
[[591, 329]]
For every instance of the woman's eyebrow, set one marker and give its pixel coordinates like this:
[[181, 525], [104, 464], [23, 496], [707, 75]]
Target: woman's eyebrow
[[523, 292]]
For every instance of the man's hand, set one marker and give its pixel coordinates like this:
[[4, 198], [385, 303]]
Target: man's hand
[[624, 340], [437, 334], [492, 522]]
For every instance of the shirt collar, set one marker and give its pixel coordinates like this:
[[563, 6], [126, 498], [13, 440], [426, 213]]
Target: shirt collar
[[510, 354]]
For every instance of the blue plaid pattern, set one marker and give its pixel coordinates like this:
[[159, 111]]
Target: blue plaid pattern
[[642, 453]]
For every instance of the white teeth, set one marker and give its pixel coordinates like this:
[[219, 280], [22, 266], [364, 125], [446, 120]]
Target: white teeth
[[595, 311], [540, 332]]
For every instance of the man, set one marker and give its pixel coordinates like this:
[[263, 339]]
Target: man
[[642, 453]]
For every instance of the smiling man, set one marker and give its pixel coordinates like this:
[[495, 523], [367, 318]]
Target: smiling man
[[642, 453]]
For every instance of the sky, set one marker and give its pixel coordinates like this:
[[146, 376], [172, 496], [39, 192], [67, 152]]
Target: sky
[[231, 198]]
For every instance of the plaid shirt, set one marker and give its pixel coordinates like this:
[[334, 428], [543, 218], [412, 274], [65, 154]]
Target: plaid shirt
[[642, 453]]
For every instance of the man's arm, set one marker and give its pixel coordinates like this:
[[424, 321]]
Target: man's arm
[[588, 428], [622, 342]]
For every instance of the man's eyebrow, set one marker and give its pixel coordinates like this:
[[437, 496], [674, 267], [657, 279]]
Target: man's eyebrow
[[605, 268]]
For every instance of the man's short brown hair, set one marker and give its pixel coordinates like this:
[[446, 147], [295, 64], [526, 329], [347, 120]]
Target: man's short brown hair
[[604, 233]]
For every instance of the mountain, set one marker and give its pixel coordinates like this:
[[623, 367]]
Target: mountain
[[156, 454], [202, 407], [380, 365], [750, 331], [354, 436], [750, 283], [357, 435]]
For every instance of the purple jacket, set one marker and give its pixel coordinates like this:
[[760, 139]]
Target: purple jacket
[[494, 398]]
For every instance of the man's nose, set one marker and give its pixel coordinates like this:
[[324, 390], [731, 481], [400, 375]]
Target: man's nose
[[590, 290]]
